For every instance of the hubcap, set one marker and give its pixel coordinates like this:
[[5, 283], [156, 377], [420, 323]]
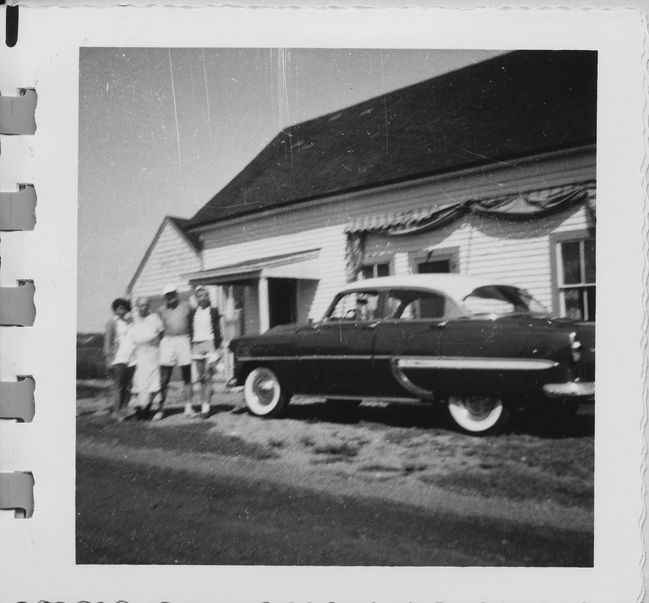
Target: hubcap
[[264, 389], [478, 407]]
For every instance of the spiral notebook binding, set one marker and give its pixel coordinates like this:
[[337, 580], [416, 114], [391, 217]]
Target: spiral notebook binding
[[17, 213]]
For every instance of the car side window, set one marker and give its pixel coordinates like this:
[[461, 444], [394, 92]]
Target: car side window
[[416, 305], [356, 306]]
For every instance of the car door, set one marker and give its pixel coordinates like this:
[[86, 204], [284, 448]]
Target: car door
[[407, 339], [490, 356], [336, 354]]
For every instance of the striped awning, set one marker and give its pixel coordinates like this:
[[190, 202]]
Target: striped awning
[[520, 206]]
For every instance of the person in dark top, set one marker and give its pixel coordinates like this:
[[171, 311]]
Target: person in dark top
[[119, 355], [205, 332]]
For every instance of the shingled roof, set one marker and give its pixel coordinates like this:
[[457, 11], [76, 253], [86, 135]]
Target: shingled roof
[[511, 106]]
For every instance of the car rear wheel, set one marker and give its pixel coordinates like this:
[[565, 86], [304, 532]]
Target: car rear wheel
[[478, 414], [264, 394]]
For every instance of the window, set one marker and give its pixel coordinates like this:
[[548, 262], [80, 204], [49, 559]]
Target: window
[[501, 299], [375, 270], [432, 261], [417, 305], [355, 306], [576, 278]]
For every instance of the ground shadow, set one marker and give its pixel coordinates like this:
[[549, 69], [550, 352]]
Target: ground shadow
[[434, 417]]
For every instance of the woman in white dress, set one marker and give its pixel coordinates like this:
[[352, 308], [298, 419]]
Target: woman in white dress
[[146, 332]]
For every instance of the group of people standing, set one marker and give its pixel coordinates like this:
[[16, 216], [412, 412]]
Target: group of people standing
[[143, 347]]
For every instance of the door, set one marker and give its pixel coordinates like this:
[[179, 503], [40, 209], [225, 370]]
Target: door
[[336, 354], [409, 340], [282, 301]]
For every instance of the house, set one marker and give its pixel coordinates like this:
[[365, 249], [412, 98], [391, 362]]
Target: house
[[488, 170]]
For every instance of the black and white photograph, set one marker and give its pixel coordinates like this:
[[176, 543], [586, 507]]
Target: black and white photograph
[[336, 307], [331, 304]]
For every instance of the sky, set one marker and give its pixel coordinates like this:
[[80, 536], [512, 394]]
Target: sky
[[162, 130]]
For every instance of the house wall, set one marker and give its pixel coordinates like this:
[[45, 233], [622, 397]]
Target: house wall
[[516, 252], [171, 257]]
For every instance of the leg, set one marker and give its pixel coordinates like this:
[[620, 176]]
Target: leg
[[125, 379], [165, 377], [208, 375], [199, 363], [117, 374], [130, 372], [186, 371]]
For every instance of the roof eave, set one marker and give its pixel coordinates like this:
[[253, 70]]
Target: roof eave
[[496, 162]]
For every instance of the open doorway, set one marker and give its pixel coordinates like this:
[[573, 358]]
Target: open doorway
[[282, 301]]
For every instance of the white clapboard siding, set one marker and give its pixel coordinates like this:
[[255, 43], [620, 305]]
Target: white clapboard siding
[[170, 258], [514, 252]]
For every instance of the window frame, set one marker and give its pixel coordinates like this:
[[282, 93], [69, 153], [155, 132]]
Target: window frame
[[374, 263], [440, 254], [556, 265], [451, 307]]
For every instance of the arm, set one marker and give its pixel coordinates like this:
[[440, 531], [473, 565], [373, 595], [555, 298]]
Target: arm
[[109, 340], [190, 326], [161, 329], [216, 328]]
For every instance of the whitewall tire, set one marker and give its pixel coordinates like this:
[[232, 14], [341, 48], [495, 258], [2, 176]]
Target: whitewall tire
[[478, 414], [263, 393]]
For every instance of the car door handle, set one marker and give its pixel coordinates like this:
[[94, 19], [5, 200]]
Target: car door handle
[[439, 325], [371, 325]]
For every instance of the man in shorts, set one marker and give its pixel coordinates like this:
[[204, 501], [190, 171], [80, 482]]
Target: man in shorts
[[205, 325], [175, 348]]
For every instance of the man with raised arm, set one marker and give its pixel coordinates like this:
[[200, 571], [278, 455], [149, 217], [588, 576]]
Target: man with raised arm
[[175, 348]]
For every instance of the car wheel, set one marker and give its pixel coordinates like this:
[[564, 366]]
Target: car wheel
[[263, 393], [478, 414]]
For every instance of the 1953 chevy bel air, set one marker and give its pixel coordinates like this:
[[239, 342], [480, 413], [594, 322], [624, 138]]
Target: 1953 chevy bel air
[[479, 347]]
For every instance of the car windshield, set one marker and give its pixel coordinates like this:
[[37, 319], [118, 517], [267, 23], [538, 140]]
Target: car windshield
[[499, 300]]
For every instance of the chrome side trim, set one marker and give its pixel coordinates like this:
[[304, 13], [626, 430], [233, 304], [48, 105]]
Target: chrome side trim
[[573, 389], [310, 357], [406, 383], [426, 362], [366, 398], [465, 362]]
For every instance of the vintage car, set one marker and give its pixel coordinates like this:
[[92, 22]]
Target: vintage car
[[481, 348]]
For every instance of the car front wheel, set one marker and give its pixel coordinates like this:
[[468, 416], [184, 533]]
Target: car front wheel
[[478, 414], [264, 394]]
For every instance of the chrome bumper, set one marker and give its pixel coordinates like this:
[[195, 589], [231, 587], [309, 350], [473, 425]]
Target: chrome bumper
[[574, 389]]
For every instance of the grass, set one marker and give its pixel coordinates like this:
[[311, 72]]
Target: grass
[[342, 449], [132, 514], [516, 484], [193, 437]]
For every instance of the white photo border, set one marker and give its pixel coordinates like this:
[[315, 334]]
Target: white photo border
[[40, 559]]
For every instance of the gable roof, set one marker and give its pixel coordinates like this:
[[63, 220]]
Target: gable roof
[[514, 105], [179, 225]]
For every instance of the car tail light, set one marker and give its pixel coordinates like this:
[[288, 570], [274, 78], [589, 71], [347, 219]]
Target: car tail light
[[575, 347]]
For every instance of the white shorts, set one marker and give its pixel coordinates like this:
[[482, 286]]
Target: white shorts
[[175, 350]]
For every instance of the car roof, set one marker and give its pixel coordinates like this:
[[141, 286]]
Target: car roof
[[456, 286]]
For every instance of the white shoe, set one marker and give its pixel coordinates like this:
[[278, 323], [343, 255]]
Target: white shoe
[[205, 410], [190, 412]]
